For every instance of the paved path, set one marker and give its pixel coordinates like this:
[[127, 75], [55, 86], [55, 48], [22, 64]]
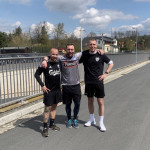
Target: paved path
[[127, 120]]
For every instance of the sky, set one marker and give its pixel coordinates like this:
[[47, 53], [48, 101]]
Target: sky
[[98, 16]]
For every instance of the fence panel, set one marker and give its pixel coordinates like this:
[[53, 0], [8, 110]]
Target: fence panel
[[17, 80]]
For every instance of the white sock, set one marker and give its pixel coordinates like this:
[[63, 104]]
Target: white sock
[[101, 119], [91, 117]]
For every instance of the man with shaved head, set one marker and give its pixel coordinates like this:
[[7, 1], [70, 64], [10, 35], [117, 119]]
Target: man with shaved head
[[51, 89]]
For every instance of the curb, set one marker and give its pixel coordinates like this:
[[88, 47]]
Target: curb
[[19, 113]]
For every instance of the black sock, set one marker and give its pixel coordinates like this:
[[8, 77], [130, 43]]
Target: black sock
[[52, 122], [75, 117], [45, 125], [69, 117]]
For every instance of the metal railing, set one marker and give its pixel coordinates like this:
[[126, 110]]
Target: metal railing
[[17, 81]]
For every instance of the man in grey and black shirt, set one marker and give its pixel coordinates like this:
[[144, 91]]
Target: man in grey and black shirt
[[70, 81]]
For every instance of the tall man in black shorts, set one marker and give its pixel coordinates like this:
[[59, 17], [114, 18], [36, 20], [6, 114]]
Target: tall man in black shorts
[[51, 89], [94, 76]]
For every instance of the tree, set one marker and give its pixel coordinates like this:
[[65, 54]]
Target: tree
[[58, 33], [44, 39], [17, 31], [91, 34], [40, 34], [22, 40], [3, 39]]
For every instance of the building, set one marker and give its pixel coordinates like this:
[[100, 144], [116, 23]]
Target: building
[[62, 50], [108, 44], [5, 50]]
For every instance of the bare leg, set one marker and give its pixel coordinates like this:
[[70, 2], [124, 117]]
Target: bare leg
[[100, 102], [53, 111], [45, 120], [91, 105], [91, 112], [101, 114], [46, 114]]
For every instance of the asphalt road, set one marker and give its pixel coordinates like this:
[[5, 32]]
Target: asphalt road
[[127, 121]]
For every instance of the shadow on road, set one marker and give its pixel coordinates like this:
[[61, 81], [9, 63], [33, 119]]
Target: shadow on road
[[36, 123]]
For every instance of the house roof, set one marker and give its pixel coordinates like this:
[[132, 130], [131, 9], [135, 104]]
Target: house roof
[[7, 48]]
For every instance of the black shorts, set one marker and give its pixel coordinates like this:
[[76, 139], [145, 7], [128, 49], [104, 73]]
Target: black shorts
[[71, 92], [96, 90], [52, 97]]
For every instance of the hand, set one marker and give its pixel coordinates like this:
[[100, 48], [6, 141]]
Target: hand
[[44, 64], [102, 77], [46, 58], [45, 89], [100, 51]]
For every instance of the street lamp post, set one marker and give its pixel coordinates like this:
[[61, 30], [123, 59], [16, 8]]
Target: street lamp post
[[81, 37], [136, 42], [103, 43]]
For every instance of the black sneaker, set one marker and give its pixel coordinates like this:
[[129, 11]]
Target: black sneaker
[[54, 127], [45, 132]]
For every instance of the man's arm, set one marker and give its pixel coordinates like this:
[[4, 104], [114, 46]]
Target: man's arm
[[78, 55], [46, 59], [110, 66], [38, 78]]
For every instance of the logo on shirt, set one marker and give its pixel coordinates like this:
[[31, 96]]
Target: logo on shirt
[[97, 58], [54, 72], [70, 64], [58, 66]]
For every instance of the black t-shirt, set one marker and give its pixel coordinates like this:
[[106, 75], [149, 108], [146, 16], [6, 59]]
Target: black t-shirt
[[93, 66], [51, 74]]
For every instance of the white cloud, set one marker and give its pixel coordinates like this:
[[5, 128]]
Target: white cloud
[[146, 23], [33, 26], [129, 27], [49, 27], [143, 27], [7, 27], [69, 5], [101, 18], [77, 31], [16, 24]]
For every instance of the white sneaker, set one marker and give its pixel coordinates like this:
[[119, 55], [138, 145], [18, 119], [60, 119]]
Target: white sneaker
[[102, 127], [89, 123]]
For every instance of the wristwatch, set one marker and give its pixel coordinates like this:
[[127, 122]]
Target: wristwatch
[[106, 72]]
